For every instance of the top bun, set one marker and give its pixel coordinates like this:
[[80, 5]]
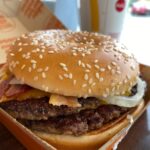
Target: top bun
[[69, 63]]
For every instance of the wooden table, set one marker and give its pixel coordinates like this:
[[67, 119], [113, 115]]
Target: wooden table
[[138, 137]]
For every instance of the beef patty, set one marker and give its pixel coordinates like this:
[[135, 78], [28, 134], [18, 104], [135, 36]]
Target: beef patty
[[38, 114], [77, 124], [37, 109]]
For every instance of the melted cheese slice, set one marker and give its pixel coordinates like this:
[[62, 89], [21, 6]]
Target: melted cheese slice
[[58, 100], [33, 93]]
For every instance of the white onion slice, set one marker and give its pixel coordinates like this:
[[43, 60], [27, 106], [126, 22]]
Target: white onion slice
[[131, 101], [15, 81]]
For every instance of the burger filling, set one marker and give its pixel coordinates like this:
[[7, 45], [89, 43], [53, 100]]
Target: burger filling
[[46, 112]]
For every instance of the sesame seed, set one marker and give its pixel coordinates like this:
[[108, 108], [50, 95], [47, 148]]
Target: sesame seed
[[105, 95], [101, 79], [79, 62], [83, 54], [113, 71], [96, 61], [113, 63], [28, 53], [12, 54], [37, 49], [70, 75], [39, 70], [43, 75], [50, 52], [29, 69], [41, 56], [46, 88], [33, 66], [46, 68], [84, 85], [26, 56], [35, 42], [83, 65], [88, 66], [35, 78], [102, 69], [20, 44], [96, 66], [74, 82], [90, 81], [89, 91], [33, 61], [23, 66], [20, 49], [109, 67], [74, 54], [65, 68], [62, 64], [118, 67], [66, 75], [118, 72], [60, 77], [86, 77], [87, 70], [97, 75], [93, 84]]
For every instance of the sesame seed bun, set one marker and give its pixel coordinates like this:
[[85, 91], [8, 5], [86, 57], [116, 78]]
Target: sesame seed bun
[[77, 64], [92, 140]]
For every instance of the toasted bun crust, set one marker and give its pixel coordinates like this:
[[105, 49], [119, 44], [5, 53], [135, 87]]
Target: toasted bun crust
[[69, 63], [92, 140]]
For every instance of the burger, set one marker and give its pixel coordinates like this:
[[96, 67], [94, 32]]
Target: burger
[[73, 89]]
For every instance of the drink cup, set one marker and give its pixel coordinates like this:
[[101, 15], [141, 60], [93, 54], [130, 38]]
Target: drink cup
[[103, 16]]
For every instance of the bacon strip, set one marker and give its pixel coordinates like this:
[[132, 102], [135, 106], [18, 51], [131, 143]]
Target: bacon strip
[[17, 89], [4, 85]]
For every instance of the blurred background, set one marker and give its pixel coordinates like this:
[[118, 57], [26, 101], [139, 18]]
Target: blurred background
[[135, 33]]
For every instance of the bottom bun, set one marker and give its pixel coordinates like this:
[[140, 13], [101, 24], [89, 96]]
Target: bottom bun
[[92, 140]]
